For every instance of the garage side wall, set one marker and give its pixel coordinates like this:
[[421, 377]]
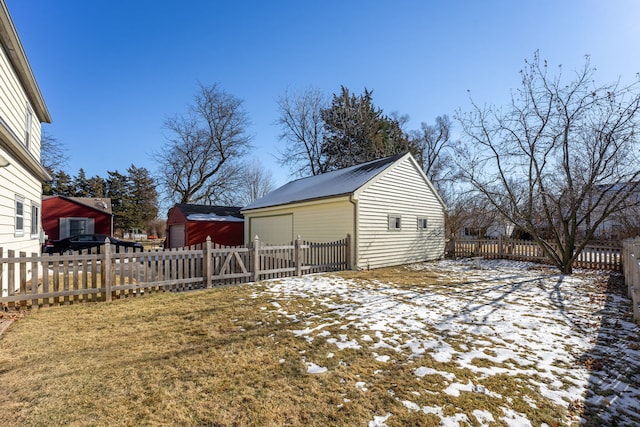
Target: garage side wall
[[321, 221], [403, 193]]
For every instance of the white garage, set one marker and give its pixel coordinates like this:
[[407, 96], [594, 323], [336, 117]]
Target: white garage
[[388, 206]]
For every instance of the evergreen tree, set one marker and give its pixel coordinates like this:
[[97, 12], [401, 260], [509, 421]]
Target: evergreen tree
[[81, 185], [143, 201], [96, 186], [118, 190], [61, 185], [356, 131]]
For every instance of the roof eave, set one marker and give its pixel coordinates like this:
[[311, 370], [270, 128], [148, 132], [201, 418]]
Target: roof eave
[[15, 52], [296, 202]]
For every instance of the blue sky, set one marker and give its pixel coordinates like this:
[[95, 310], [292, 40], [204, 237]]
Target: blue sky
[[111, 71]]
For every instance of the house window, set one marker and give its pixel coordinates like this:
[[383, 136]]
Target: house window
[[27, 134], [19, 227], [35, 221], [422, 223], [394, 222]]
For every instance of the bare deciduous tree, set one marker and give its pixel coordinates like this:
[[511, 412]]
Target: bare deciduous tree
[[53, 154], [255, 182], [559, 159], [197, 162], [303, 131], [432, 144]]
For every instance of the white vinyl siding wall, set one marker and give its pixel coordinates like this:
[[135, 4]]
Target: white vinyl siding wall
[[324, 221], [272, 229], [13, 108], [399, 191], [15, 179]]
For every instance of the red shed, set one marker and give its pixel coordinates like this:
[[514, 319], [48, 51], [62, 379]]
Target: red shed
[[189, 224], [67, 216]]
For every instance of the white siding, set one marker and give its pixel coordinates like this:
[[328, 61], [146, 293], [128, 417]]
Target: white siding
[[13, 107], [17, 180], [324, 221], [399, 191], [273, 229]]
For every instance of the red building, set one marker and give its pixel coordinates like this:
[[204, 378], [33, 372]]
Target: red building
[[67, 216], [189, 224]]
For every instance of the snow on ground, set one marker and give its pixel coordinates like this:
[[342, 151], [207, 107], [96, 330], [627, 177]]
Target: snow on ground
[[573, 342]]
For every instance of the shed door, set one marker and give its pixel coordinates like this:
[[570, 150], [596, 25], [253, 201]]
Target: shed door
[[176, 236], [275, 229]]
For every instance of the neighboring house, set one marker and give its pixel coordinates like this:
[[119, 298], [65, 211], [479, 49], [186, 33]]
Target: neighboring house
[[64, 217], [22, 110], [475, 228], [189, 225], [388, 206], [622, 224]]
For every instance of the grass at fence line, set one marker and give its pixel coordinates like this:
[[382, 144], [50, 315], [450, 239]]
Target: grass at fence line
[[214, 357]]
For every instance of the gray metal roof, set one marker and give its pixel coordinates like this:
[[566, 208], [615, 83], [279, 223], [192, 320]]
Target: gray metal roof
[[202, 211], [336, 183]]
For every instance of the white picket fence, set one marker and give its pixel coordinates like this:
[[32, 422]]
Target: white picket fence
[[43, 280]]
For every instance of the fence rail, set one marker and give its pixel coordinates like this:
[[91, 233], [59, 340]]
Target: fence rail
[[631, 262], [597, 256], [45, 280]]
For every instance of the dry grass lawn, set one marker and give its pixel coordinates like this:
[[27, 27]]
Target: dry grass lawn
[[198, 358], [217, 358]]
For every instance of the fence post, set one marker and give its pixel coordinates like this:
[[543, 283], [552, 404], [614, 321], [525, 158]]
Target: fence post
[[297, 256], [106, 267], [347, 252], [11, 276], [255, 270], [636, 282], [1, 274], [23, 278], [34, 279], [206, 253]]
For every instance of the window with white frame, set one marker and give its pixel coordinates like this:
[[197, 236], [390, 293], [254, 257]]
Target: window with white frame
[[19, 224], [395, 222], [29, 122], [422, 223], [35, 220]]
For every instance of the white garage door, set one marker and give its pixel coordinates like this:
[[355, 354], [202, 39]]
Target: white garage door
[[176, 236], [273, 230]]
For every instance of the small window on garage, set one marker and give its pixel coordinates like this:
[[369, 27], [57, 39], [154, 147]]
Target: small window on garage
[[422, 223], [395, 223]]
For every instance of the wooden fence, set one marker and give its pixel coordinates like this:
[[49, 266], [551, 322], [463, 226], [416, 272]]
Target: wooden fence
[[631, 263], [597, 256], [44, 280]]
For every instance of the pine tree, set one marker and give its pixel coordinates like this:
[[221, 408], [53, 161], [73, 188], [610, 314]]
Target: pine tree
[[356, 131], [143, 203], [118, 190], [81, 185], [61, 185], [96, 186]]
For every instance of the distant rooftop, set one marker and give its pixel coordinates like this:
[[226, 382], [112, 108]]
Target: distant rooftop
[[336, 183], [209, 213]]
